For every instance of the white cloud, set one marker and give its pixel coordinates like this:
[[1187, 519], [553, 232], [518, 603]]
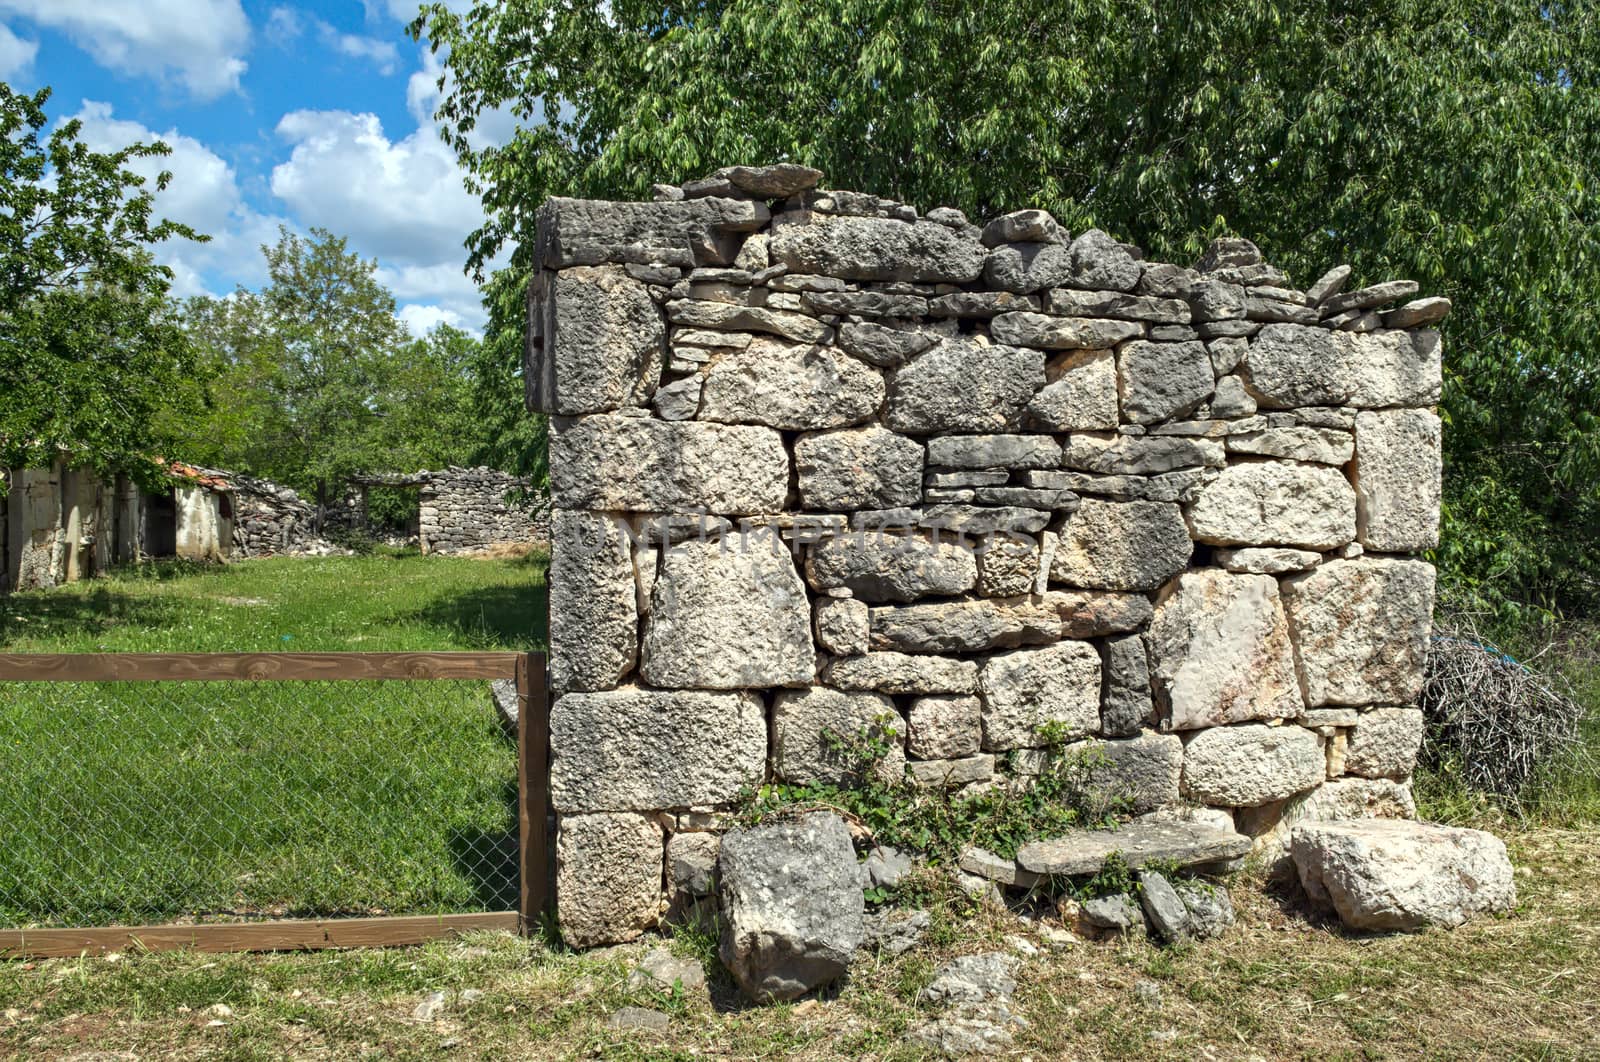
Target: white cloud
[[382, 54], [200, 42], [420, 320], [16, 54], [283, 25], [493, 129]]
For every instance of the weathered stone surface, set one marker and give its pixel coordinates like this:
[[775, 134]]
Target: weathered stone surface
[[771, 182], [945, 727], [857, 248], [1101, 263], [865, 303], [1251, 764], [597, 341], [963, 385], [1164, 911], [1257, 308], [593, 606], [1071, 303], [1043, 498], [965, 626], [883, 346], [1344, 798], [589, 231], [692, 864], [1367, 298], [1388, 874], [1273, 503], [1140, 774], [706, 313], [1008, 567], [890, 566], [790, 386], [1214, 301], [1268, 560], [1293, 365], [1039, 330], [994, 451], [1361, 629], [1124, 455], [998, 869], [1027, 267], [678, 400], [1108, 545], [842, 625], [1166, 487], [1418, 313], [1085, 851], [731, 614], [1159, 381], [1231, 399], [1220, 652], [902, 673], [858, 468], [1398, 473], [608, 877], [1228, 251], [1209, 907], [1080, 393], [633, 749], [1327, 446], [1125, 703], [1092, 613], [894, 931], [981, 304], [729, 469], [1022, 226], [948, 774], [791, 904], [1384, 743], [803, 720], [1025, 689], [1119, 912], [1166, 281], [984, 520], [1327, 285]]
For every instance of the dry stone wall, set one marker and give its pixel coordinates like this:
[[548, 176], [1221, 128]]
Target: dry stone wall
[[464, 510], [822, 463]]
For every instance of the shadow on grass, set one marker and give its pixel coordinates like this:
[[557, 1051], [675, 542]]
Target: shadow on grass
[[511, 617], [489, 859], [77, 612]]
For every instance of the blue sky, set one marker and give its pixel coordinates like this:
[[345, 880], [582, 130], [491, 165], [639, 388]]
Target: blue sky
[[278, 113]]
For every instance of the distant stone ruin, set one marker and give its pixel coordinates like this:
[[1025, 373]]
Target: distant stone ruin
[[824, 465]]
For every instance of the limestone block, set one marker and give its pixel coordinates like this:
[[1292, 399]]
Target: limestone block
[[1092, 613], [1290, 365], [1027, 266], [994, 451], [947, 774], [1044, 332], [731, 614], [1327, 446], [1080, 393], [1070, 303], [1140, 774], [945, 727], [1008, 567], [842, 625], [792, 386], [1159, 381], [808, 724], [962, 385], [608, 877], [1384, 743], [981, 304], [1100, 263], [1021, 226], [1220, 652], [601, 342], [593, 602], [965, 626], [692, 865], [1275, 503], [891, 566], [902, 673], [1361, 629], [858, 468], [881, 345], [1107, 545], [857, 248], [1398, 473], [634, 750], [682, 466], [1251, 764], [1125, 704], [588, 231], [1130, 455], [1268, 560], [1027, 688]]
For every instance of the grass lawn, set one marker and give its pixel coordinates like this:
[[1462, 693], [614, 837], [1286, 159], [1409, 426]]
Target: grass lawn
[[138, 802]]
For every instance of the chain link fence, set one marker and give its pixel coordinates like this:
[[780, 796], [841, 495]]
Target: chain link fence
[[126, 803]]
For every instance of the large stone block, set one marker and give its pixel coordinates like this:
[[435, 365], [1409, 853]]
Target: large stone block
[[598, 342], [902, 673], [1220, 652], [1044, 332], [843, 625], [858, 468], [1028, 688], [608, 877], [1125, 702], [1140, 774], [730, 614], [589, 231], [792, 386], [1027, 266], [1108, 545], [965, 626], [1398, 474], [890, 566], [857, 248], [1276, 503], [1159, 381], [963, 385], [636, 465], [1384, 743], [809, 725], [1251, 764], [1080, 393], [1292, 365], [641, 750], [994, 451], [594, 618], [1361, 629], [945, 726], [1092, 613], [1130, 455]]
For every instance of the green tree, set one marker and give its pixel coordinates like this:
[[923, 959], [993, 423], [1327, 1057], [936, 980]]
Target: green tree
[[91, 358], [1453, 141]]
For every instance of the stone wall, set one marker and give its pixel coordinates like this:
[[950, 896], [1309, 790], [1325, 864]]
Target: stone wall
[[821, 463], [465, 510]]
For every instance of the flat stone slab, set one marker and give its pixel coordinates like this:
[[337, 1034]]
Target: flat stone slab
[[1085, 851]]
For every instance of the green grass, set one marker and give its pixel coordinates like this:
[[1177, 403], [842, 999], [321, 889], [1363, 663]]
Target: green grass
[[139, 802]]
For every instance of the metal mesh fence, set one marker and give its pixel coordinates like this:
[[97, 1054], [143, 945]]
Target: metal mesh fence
[[143, 802]]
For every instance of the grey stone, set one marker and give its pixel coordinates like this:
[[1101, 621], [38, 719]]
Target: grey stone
[[1327, 285], [1181, 485], [1367, 298], [887, 566], [945, 726], [949, 774], [1169, 333], [633, 749], [984, 520], [894, 932], [886, 866], [695, 337], [1125, 455], [589, 231], [982, 304], [1418, 313], [962, 385], [1228, 251], [1164, 911], [865, 303], [1209, 330], [608, 877], [1085, 851], [1028, 688], [771, 182], [1110, 545], [985, 864], [597, 341], [704, 313], [883, 346], [948, 216], [858, 468], [1389, 874], [1080, 393], [792, 905], [662, 971], [1231, 399], [1027, 267], [842, 625], [1101, 263], [1008, 567], [1251, 764], [1384, 743], [972, 1029], [994, 451], [1213, 301], [1048, 498], [875, 249], [1039, 330], [1260, 309], [1138, 775], [808, 724], [1159, 381], [1273, 503], [1226, 354], [1398, 478], [593, 605], [965, 626], [1071, 303], [1118, 912], [1093, 613], [692, 864], [1361, 629], [638, 1018], [1267, 560], [790, 386], [1328, 446], [972, 979], [1022, 226], [1209, 907], [1295, 365], [799, 282], [673, 467], [678, 400], [901, 673], [1166, 281], [1125, 703]]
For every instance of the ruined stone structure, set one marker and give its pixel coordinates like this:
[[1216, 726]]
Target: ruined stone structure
[[822, 464], [465, 510]]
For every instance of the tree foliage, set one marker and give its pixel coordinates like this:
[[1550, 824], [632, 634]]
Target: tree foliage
[[1456, 142], [90, 358]]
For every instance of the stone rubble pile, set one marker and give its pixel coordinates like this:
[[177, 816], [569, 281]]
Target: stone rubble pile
[[823, 464]]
